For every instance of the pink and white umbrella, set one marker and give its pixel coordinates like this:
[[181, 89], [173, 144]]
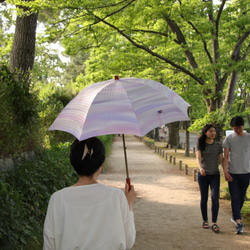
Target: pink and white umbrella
[[125, 106], [121, 106]]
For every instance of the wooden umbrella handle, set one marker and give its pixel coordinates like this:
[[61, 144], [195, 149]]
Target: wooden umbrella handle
[[126, 163]]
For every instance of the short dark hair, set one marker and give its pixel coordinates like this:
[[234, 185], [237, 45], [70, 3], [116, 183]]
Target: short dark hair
[[237, 121], [87, 165]]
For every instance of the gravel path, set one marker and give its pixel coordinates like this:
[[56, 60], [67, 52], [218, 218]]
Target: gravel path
[[167, 213]]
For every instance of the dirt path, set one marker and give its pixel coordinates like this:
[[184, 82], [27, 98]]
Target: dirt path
[[167, 213]]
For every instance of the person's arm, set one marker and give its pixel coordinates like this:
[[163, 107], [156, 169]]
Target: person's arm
[[198, 160], [48, 232], [130, 195], [129, 224], [228, 177], [221, 158], [48, 241]]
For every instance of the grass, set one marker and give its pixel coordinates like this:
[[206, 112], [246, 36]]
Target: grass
[[179, 154]]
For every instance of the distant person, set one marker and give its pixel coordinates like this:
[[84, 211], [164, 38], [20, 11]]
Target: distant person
[[163, 133], [90, 215], [237, 168], [208, 155]]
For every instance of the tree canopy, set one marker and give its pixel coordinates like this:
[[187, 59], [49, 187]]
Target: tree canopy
[[207, 42], [188, 43]]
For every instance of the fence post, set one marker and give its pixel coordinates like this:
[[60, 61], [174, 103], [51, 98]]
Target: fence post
[[175, 149], [195, 172], [170, 158], [194, 150], [174, 160], [166, 156], [186, 169], [155, 148], [180, 165]]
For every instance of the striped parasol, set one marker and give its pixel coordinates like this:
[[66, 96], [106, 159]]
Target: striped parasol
[[121, 106]]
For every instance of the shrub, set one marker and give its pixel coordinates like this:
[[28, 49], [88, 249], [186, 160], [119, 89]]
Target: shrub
[[18, 114], [25, 192], [53, 99]]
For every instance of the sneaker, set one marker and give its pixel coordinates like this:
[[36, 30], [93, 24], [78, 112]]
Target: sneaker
[[233, 221], [239, 228]]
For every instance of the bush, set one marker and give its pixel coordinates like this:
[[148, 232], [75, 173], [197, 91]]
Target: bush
[[27, 111], [25, 192], [52, 100], [18, 114]]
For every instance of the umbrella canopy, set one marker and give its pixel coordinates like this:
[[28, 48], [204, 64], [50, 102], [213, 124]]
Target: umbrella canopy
[[121, 106]]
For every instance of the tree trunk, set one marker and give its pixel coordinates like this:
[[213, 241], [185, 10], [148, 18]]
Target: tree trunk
[[187, 141], [230, 96], [23, 48], [173, 134], [157, 137], [150, 134], [219, 133], [187, 148]]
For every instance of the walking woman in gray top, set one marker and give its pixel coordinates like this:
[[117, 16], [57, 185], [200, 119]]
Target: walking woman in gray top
[[208, 155]]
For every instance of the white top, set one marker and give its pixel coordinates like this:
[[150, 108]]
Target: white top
[[239, 149], [229, 132], [89, 217]]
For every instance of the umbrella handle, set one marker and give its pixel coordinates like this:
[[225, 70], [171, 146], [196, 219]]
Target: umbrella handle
[[126, 163], [128, 182]]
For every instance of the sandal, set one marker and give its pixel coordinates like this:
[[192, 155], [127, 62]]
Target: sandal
[[215, 228], [205, 225]]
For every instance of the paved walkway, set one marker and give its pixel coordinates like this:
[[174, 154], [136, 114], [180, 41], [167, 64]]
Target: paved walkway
[[167, 213]]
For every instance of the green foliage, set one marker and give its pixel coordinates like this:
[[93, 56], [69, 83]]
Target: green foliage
[[18, 114], [75, 67], [48, 65], [25, 192], [226, 193], [107, 141], [218, 118], [52, 99], [168, 41], [16, 90], [246, 210], [173, 42], [6, 37]]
